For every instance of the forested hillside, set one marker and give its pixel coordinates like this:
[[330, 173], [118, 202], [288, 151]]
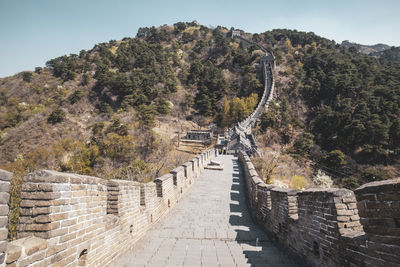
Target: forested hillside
[[366, 49], [101, 112], [117, 110], [389, 55], [105, 111], [336, 106]]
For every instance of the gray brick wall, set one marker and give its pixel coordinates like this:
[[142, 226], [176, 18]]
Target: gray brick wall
[[330, 227], [5, 178], [70, 220]]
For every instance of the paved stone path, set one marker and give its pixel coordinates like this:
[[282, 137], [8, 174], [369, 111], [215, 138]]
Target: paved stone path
[[210, 227]]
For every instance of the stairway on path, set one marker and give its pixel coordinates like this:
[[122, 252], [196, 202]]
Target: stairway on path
[[211, 226]]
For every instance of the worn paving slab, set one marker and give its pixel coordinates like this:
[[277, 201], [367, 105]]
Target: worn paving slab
[[211, 226]]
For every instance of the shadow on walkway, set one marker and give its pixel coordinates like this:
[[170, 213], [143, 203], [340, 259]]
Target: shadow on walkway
[[257, 247]]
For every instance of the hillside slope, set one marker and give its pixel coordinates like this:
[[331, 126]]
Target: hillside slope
[[116, 110], [366, 49], [336, 110], [389, 55]]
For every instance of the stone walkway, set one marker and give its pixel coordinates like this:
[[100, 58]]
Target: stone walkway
[[210, 227]]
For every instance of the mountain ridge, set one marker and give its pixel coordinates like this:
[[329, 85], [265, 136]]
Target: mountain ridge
[[366, 49]]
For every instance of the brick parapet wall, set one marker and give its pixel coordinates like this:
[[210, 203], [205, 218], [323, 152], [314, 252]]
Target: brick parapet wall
[[264, 207], [267, 64], [330, 227], [378, 204], [75, 220], [189, 173], [5, 179], [195, 167], [179, 178]]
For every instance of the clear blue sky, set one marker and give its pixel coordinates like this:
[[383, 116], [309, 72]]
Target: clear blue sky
[[34, 31]]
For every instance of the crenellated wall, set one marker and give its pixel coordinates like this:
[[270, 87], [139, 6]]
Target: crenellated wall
[[5, 178], [330, 227], [239, 136], [76, 220], [267, 64]]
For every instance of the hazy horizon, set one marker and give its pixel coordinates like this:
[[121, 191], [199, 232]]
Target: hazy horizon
[[36, 31]]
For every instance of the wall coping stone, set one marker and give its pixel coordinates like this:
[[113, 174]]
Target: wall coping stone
[[264, 186], [256, 180], [177, 169], [187, 164], [288, 191], [24, 247], [164, 178], [324, 191], [117, 183], [5, 175], [393, 184], [48, 176]]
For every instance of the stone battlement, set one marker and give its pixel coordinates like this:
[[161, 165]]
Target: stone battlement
[[330, 227], [267, 63], [76, 220]]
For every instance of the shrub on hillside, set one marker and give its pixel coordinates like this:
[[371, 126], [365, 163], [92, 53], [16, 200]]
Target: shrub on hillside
[[118, 127], [83, 160], [76, 96], [119, 148], [298, 182], [58, 115], [105, 108], [266, 167], [267, 119], [350, 183], [64, 67], [27, 76], [163, 106], [372, 174], [334, 159], [85, 79], [322, 180], [147, 114], [38, 70], [304, 144]]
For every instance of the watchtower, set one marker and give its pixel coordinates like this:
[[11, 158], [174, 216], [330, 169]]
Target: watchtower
[[235, 33]]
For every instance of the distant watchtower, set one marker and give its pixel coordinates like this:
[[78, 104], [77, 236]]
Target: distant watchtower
[[235, 33], [267, 59]]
